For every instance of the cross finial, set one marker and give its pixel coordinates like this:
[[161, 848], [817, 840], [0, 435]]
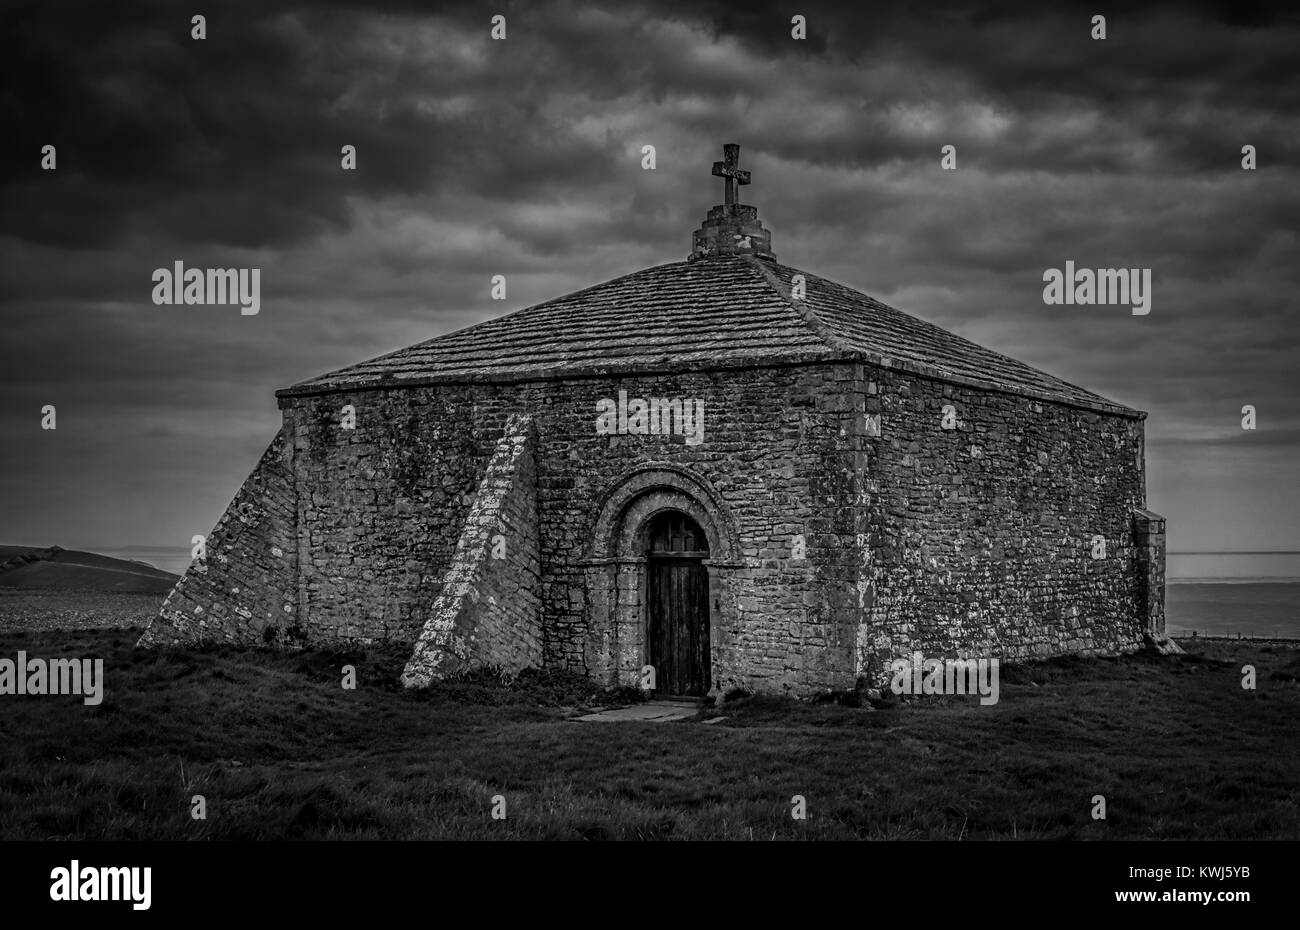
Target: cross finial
[[731, 228], [727, 169]]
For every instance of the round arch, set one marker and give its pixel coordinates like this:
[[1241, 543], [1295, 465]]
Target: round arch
[[633, 499], [617, 649]]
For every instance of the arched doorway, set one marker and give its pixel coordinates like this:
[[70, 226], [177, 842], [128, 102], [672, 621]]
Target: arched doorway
[[624, 529], [677, 604]]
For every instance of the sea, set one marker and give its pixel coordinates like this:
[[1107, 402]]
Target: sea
[[1207, 593], [1233, 594]]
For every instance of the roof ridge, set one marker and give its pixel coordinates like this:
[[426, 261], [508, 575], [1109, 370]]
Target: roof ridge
[[805, 313]]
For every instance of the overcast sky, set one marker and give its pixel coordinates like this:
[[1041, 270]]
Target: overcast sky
[[522, 157]]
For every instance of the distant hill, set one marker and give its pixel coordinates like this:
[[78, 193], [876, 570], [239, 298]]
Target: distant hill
[[30, 568]]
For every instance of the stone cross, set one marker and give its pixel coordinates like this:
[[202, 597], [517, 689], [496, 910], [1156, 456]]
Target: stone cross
[[727, 169]]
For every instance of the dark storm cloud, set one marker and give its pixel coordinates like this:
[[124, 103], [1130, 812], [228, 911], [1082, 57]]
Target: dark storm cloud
[[236, 140], [523, 158], [1189, 80]]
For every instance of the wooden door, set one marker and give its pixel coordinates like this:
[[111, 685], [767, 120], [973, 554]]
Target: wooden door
[[677, 606]]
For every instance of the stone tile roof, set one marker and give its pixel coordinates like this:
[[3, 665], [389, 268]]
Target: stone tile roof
[[718, 312]]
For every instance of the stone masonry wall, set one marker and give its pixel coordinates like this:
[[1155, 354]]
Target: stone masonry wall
[[383, 506], [980, 539], [489, 611], [769, 437], [244, 591], [969, 541], [1149, 538]]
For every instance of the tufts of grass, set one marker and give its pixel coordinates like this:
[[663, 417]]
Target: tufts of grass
[[279, 749]]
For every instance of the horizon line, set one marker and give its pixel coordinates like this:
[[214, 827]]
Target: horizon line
[[1234, 552]]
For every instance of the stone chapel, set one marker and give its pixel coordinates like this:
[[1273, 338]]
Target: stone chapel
[[732, 471]]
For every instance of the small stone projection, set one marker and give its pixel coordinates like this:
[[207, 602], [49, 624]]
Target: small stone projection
[[732, 472]]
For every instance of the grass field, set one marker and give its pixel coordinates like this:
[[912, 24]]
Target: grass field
[[280, 750]]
